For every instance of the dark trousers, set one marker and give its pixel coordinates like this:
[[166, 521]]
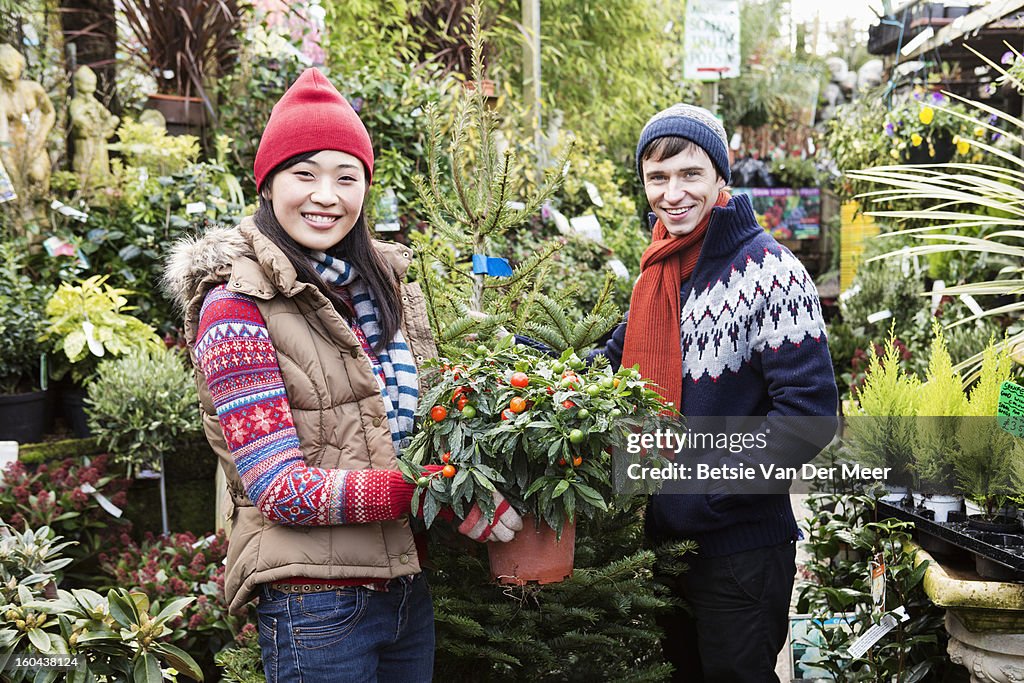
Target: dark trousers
[[738, 618]]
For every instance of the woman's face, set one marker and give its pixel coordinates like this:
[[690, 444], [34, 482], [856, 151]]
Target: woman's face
[[317, 201]]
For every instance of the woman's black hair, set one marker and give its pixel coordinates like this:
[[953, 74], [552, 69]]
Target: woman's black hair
[[356, 248]]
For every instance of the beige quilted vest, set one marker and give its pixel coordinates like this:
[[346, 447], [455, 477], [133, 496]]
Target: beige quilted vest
[[339, 416]]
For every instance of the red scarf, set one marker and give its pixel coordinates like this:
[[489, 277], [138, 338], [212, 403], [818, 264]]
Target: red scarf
[[652, 336]]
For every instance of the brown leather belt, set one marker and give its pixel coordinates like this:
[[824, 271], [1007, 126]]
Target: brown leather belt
[[304, 587], [320, 587]]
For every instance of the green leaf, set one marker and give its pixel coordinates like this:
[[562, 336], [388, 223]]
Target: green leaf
[[39, 639], [179, 659], [483, 481], [430, 509], [174, 608], [147, 669], [590, 495], [538, 484], [122, 609], [560, 488]]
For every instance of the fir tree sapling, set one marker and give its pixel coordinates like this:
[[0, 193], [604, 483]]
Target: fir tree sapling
[[987, 457], [882, 432], [942, 403], [466, 211]]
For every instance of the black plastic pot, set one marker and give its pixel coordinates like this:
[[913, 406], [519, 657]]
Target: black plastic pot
[[23, 417], [996, 525], [72, 405]]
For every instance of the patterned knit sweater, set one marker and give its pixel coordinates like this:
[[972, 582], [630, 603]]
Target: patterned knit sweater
[[754, 344], [240, 364]]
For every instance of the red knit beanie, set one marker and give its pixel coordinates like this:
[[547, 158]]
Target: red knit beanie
[[310, 117]]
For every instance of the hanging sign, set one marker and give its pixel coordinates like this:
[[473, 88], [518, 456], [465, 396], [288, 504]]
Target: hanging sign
[[711, 40]]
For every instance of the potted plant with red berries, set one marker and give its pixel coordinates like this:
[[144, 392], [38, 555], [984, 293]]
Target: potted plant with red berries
[[541, 430]]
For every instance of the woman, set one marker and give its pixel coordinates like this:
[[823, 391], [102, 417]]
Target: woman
[[307, 348]]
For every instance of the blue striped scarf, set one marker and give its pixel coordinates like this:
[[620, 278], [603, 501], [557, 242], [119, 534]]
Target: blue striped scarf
[[401, 390]]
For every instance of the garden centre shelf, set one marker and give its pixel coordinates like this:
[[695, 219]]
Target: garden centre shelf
[[998, 555]]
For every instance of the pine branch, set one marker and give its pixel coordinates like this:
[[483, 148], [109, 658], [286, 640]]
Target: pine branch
[[458, 329], [592, 328], [556, 315], [525, 269], [548, 335], [497, 205], [603, 299]]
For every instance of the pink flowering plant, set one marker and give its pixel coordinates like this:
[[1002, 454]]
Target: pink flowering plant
[[64, 497]]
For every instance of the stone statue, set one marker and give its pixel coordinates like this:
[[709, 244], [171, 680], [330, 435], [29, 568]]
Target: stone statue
[[91, 126], [29, 118]]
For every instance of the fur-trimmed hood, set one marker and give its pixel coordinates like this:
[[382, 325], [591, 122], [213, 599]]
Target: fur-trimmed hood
[[199, 257]]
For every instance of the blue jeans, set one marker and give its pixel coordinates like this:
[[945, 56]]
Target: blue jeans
[[348, 634]]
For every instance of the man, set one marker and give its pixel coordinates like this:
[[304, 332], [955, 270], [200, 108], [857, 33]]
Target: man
[[727, 322]]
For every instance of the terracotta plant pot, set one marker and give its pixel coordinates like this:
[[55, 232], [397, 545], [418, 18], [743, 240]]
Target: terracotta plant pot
[[534, 555]]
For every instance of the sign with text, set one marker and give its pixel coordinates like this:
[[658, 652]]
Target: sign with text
[[711, 43]]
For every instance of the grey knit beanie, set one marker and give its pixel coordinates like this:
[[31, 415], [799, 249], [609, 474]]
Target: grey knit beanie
[[697, 125]]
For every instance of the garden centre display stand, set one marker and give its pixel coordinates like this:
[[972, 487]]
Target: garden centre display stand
[[984, 619]]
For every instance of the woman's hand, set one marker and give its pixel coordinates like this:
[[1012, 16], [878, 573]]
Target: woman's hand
[[504, 527]]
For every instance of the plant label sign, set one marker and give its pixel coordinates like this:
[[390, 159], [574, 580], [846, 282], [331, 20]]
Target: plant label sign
[[711, 41], [1010, 412]]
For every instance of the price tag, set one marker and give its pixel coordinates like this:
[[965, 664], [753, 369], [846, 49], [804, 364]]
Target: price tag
[[875, 633], [195, 207], [879, 316], [103, 501], [561, 222], [876, 566], [587, 226], [204, 540], [619, 268], [387, 212], [65, 210], [8, 453], [937, 288], [1010, 409], [593, 193], [849, 293]]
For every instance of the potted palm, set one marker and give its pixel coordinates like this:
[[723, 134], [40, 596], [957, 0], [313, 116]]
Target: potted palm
[[23, 399], [183, 44]]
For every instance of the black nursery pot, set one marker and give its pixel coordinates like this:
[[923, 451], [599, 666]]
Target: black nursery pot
[[996, 525], [23, 417], [72, 406]]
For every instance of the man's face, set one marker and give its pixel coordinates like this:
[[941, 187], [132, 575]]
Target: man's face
[[682, 189]]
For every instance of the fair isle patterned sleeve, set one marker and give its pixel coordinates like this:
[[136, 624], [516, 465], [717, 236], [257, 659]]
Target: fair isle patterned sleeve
[[792, 342], [239, 361]]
